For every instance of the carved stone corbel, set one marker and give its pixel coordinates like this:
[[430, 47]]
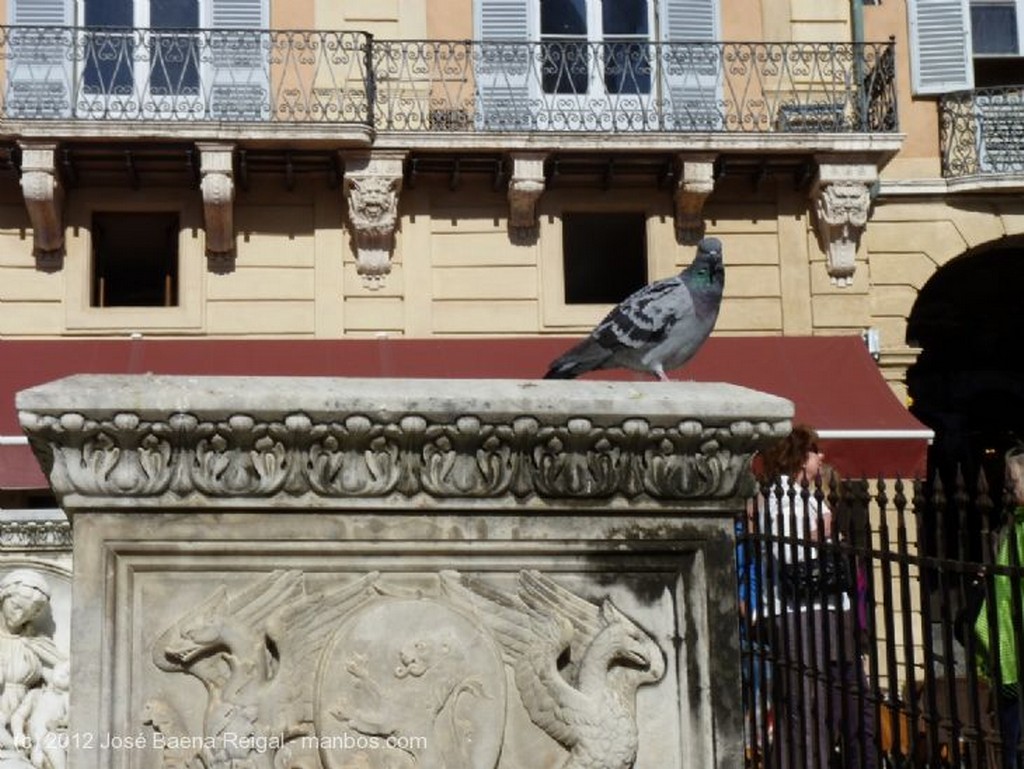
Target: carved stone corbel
[[524, 190], [696, 182], [373, 181], [43, 194], [842, 203], [218, 188]]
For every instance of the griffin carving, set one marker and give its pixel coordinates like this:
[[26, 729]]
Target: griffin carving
[[588, 706], [255, 653]]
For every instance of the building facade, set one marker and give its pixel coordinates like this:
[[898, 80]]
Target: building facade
[[311, 170]]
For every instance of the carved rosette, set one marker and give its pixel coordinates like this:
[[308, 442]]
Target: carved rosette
[[372, 186], [41, 189], [362, 456], [842, 204]]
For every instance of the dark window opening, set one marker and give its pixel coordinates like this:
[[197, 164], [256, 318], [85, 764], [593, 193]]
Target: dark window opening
[[135, 260], [174, 58], [604, 256], [108, 58], [994, 28]]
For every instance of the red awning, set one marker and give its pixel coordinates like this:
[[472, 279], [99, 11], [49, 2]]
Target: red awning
[[833, 381]]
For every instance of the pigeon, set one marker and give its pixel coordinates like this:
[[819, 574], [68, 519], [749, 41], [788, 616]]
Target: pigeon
[[659, 327]]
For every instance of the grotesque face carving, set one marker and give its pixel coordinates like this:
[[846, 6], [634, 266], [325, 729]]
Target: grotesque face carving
[[373, 201]]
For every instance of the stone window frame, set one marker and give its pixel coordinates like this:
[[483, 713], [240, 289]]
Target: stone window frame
[[187, 315], [662, 249]]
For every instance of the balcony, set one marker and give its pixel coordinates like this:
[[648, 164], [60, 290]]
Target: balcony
[[78, 82], [982, 134]]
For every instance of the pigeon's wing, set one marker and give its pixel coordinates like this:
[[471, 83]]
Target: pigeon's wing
[[644, 318]]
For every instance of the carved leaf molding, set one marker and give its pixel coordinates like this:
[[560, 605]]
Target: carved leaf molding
[[124, 454]]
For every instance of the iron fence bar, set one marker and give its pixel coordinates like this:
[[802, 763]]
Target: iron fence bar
[[984, 507], [931, 706], [371, 82], [908, 631], [887, 588]]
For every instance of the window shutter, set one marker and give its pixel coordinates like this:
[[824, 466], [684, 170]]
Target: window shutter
[[940, 46], [502, 64], [238, 14], [39, 70], [239, 82], [691, 65]]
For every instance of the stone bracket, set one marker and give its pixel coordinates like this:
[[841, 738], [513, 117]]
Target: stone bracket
[[218, 188], [842, 202], [524, 190], [43, 194], [696, 182], [373, 181]]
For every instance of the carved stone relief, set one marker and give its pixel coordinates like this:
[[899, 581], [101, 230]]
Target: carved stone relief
[[41, 188], [34, 675], [372, 185], [218, 188], [362, 456], [696, 183], [377, 675], [524, 190], [842, 204]]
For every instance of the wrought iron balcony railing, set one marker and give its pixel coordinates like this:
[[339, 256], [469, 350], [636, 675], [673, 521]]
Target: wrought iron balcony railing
[[982, 132], [89, 74], [250, 76], [634, 87]]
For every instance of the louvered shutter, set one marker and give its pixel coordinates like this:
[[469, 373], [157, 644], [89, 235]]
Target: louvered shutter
[[940, 46], [503, 65], [39, 68], [239, 82], [691, 64]]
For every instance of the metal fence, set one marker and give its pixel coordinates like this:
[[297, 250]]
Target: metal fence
[[982, 131], [893, 670], [303, 77]]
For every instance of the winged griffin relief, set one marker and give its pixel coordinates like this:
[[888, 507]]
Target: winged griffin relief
[[379, 676]]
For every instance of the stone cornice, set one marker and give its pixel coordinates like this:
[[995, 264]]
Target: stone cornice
[[337, 442], [35, 535]]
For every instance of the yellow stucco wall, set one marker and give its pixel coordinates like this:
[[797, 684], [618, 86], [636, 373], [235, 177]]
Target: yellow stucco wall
[[456, 271]]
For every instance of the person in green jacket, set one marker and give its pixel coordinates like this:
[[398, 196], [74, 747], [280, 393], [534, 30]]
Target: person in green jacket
[[1006, 657]]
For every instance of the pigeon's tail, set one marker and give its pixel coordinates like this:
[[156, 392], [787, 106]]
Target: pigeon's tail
[[563, 370], [584, 357]]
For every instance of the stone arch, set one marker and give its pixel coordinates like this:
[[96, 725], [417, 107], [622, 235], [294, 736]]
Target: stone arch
[[968, 381]]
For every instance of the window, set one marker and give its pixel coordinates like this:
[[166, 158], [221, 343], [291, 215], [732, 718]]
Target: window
[[135, 259], [595, 46], [604, 256], [994, 28], [112, 65]]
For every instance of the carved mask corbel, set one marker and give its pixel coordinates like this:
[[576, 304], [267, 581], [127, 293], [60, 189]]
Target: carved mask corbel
[[842, 213], [371, 191]]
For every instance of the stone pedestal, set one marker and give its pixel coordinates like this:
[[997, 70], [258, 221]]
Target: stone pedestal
[[384, 573]]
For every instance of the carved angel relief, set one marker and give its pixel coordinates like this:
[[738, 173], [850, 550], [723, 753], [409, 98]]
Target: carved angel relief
[[377, 676], [34, 677]]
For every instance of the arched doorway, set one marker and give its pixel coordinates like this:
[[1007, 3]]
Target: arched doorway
[[968, 381]]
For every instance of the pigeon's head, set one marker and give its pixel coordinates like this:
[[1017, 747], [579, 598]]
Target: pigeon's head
[[708, 269]]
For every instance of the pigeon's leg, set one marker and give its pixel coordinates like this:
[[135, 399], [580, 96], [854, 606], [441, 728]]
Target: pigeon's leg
[[660, 373]]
